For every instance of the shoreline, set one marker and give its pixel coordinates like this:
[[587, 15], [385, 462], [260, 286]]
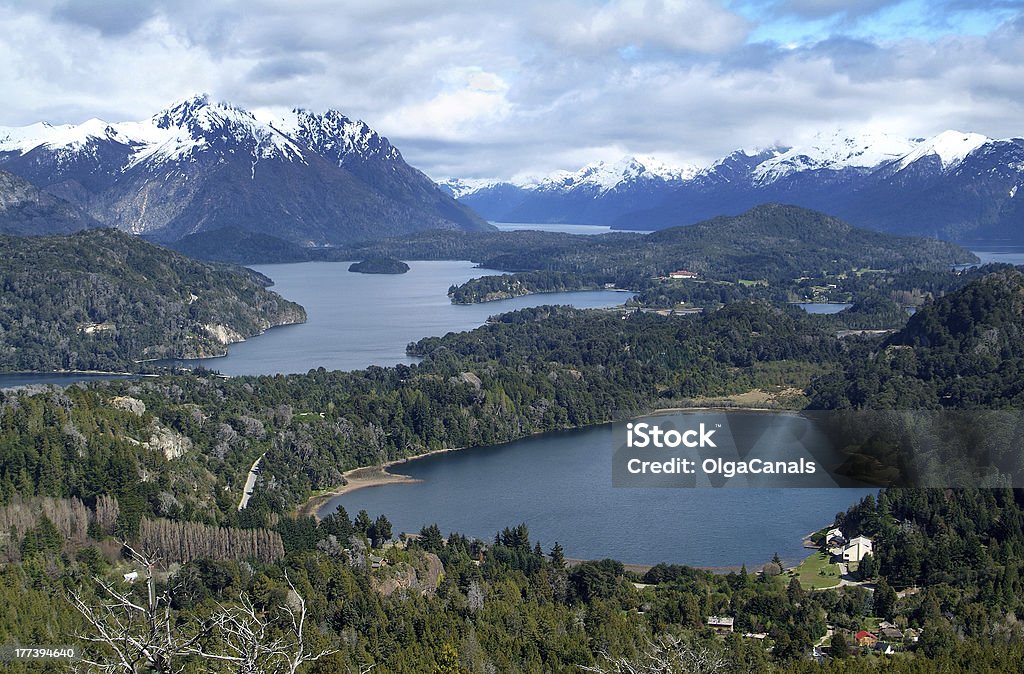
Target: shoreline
[[367, 476]]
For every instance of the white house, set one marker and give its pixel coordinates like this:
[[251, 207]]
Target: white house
[[721, 624], [856, 549]]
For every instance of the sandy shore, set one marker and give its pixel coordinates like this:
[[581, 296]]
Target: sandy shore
[[367, 476]]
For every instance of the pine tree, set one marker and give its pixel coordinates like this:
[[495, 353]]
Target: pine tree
[[448, 661], [557, 556]]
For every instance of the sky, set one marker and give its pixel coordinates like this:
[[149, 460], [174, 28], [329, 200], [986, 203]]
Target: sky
[[483, 89]]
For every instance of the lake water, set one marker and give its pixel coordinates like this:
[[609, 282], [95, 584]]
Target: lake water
[[822, 307], [356, 320], [559, 484], [564, 228], [1005, 255]]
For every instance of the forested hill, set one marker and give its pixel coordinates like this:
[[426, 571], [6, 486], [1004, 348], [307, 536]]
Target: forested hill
[[102, 299], [963, 350], [772, 243]]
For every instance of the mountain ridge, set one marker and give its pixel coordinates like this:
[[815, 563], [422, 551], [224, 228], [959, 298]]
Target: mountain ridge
[[954, 185], [312, 179]]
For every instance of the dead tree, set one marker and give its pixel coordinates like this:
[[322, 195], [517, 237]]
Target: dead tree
[[252, 642], [141, 636], [132, 635], [667, 654]]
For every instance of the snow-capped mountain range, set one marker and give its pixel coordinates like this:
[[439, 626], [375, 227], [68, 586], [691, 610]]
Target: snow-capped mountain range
[[200, 166], [955, 184]]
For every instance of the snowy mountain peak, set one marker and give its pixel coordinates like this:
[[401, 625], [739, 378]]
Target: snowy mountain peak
[[198, 124], [605, 176], [951, 147], [331, 134], [835, 151], [182, 112], [460, 187], [69, 137]]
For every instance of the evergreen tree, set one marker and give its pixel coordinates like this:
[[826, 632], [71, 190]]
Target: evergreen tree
[[557, 556], [380, 531], [362, 522], [885, 600], [431, 539], [839, 648]]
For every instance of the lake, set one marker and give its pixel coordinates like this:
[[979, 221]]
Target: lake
[[356, 320], [822, 307], [563, 228], [1005, 255], [559, 484]]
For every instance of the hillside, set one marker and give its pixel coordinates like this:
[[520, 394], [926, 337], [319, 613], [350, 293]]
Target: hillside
[[102, 299], [768, 241], [964, 350], [774, 244], [25, 209]]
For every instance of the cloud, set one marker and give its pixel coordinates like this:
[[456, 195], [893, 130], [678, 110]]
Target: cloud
[[480, 90], [826, 8], [674, 25], [276, 69]]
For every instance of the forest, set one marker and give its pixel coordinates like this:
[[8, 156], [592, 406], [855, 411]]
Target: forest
[[160, 464]]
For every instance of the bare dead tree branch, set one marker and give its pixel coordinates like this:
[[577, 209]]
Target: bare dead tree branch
[[134, 636], [667, 654]]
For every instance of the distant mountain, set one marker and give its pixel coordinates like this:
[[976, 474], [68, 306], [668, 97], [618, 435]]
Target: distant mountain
[[596, 193], [103, 300], [959, 186], [199, 166], [25, 209]]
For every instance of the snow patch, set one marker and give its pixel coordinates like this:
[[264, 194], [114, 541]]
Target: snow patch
[[834, 151], [462, 187], [606, 176], [951, 147]]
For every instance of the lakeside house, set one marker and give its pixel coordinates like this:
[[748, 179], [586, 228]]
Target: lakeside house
[[682, 274], [865, 638], [891, 634], [721, 624], [857, 548]]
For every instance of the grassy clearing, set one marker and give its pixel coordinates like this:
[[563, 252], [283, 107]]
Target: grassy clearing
[[817, 572]]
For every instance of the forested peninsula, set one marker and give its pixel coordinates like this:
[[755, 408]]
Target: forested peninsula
[[105, 300]]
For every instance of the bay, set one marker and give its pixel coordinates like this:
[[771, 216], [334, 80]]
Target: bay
[[822, 307], [357, 320], [559, 484], [562, 227]]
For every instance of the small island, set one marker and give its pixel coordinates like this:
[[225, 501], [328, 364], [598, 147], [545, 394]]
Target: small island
[[379, 265]]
